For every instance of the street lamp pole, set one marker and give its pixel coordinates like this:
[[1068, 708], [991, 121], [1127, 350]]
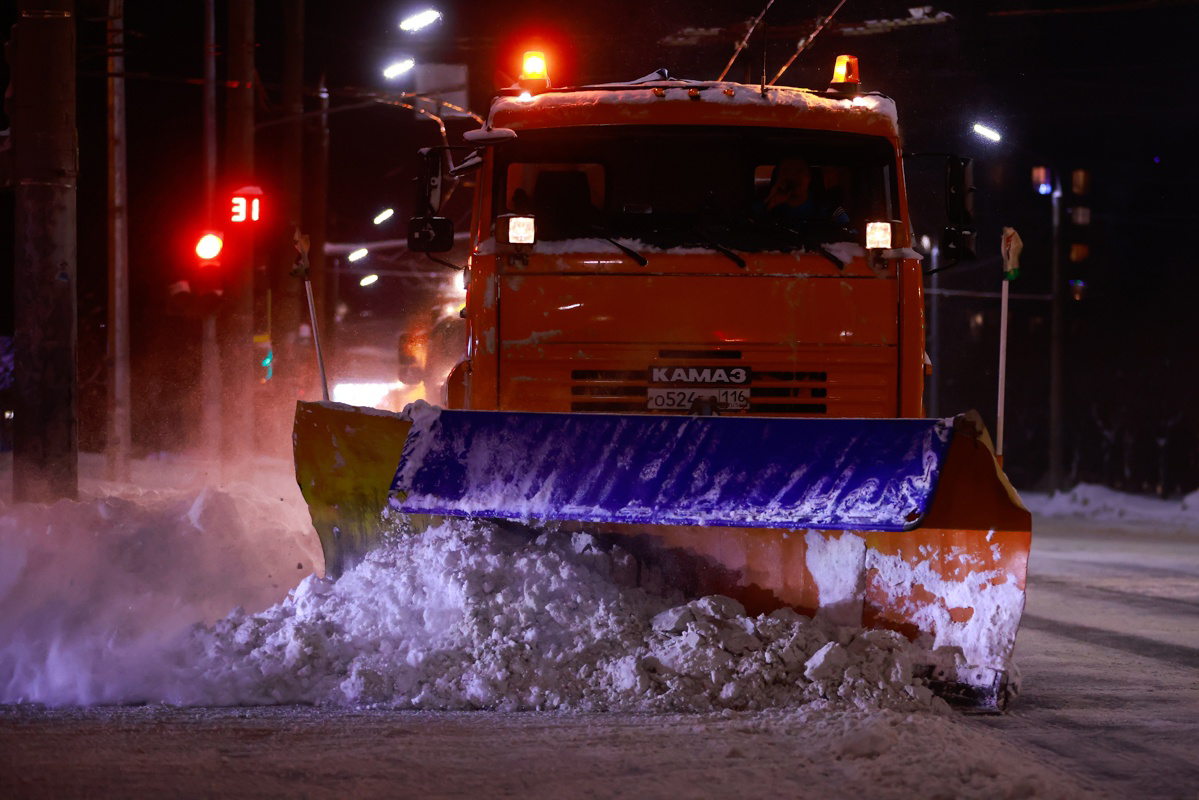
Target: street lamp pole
[[1055, 322], [1055, 343]]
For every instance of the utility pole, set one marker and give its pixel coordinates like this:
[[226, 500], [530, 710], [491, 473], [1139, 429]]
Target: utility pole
[[45, 171], [289, 309], [210, 353], [236, 319], [119, 439]]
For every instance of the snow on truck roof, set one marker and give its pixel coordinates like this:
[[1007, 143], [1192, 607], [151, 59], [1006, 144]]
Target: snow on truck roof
[[695, 102]]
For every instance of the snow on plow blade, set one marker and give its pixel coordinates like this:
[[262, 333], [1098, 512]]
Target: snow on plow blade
[[761, 472], [900, 523]]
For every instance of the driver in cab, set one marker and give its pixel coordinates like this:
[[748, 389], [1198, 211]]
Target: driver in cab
[[792, 198]]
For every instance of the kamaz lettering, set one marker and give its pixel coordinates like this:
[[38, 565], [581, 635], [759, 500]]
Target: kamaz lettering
[[699, 375]]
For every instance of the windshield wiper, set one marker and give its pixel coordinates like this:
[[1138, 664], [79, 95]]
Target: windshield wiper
[[706, 241], [641, 260], [808, 239], [591, 230]]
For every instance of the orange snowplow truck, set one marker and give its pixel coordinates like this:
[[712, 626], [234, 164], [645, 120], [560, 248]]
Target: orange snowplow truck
[[696, 324]]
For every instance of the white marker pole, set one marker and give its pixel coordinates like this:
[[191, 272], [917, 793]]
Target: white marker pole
[[1002, 370], [1011, 264]]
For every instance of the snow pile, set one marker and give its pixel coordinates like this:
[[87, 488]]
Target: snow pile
[[1102, 504], [92, 590], [469, 616], [112, 600]]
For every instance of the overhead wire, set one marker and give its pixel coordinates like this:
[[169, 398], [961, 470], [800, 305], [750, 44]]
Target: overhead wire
[[804, 42], [752, 26]]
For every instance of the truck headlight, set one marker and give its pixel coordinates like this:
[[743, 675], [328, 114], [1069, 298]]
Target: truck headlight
[[516, 229], [878, 235]]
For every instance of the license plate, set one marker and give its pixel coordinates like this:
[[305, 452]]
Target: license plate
[[661, 399]]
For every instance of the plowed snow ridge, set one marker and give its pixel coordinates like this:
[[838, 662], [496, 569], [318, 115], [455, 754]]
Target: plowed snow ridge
[[111, 600], [468, 616]]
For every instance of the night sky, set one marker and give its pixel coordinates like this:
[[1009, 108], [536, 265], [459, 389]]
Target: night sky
[[1107, 87]]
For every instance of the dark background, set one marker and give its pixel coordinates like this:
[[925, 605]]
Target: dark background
[[1105, 87]]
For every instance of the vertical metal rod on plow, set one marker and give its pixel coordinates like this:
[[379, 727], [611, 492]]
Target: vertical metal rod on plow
[[301, 270]]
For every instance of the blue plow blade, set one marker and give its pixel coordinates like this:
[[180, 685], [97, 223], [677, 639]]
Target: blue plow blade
[[763, 472]]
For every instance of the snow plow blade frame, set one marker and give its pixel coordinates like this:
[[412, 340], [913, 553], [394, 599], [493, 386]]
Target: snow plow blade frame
[[895, 523]]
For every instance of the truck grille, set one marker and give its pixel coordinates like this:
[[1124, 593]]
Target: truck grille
[[770, 392]]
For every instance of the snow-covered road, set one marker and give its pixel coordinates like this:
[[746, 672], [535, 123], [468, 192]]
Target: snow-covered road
[[1109, 651], [93, 593]]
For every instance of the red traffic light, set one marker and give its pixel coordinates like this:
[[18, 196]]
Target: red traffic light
[[209, 246]]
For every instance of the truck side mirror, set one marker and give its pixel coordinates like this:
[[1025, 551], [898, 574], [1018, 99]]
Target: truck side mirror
[[472, 163], [959, 191], [429, 180], [959, 244], [430, 234]]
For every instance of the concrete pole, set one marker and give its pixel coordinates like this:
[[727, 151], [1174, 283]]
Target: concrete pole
[[290, 309], [210, 354], [236, 317], [120, 400], [45, 172], [315, 201]]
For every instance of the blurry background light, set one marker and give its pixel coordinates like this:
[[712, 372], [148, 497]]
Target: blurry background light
[[1040, 180], [358, 254], [363, 394], [384, 215], [987, 133], [398, 68], [367, 280], [422, 19]]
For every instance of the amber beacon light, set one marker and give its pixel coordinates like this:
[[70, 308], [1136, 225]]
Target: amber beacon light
[[534, 76]]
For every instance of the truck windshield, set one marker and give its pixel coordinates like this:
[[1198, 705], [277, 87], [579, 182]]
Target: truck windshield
[[748, 189]]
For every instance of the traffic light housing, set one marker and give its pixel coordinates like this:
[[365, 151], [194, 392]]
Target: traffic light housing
[[205, 276], [1079, 232]]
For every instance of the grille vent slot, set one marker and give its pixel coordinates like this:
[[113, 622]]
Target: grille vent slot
[[770, 391]]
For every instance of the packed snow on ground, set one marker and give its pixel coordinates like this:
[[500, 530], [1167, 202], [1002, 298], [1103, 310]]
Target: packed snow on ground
[[1107, 505]]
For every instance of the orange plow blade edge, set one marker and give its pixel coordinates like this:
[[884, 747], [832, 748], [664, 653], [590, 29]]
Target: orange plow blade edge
[[952, 568]]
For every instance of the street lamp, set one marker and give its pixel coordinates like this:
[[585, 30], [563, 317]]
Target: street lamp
[[422, 19], [395, 70], [1055, 315], [987, 132]]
